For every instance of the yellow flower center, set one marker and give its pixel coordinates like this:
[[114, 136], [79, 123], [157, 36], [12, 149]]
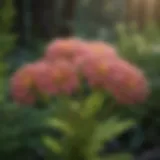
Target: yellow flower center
[[101, 69], [27, 81], [130, 82], [59, 77]]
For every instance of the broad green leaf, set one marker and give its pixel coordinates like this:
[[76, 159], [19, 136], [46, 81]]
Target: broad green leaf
[[61, 125], [119, 156], [52, 144], [107, 131], [93, 104], [111, 128]]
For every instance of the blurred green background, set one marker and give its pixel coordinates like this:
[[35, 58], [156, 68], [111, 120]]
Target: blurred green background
[[27, 25]]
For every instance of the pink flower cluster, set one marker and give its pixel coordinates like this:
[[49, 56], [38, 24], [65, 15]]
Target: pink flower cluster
[[67, 61]]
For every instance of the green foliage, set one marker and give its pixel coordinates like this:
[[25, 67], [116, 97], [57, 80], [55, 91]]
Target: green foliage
[[105, 132], [20, 127], [146, 56], [83, 136], [142, 48], [7, 38], [93, 104], [60, 125], [133, 42], [52, 144]]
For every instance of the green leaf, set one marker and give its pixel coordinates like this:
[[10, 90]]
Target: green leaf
[[52, 144], [111, 128], [93, 104], [107, 131], [61, 125], [119, 156]]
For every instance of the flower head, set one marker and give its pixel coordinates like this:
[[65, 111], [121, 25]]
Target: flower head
[[62, 49], [101, 48], [126, 82], [42, 78], [99, 54], [65, 59], [64, 78], [21, 85], [94, 68], [123, 80]]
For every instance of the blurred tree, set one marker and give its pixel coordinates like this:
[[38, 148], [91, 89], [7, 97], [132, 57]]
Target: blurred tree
[[43, 16], [96, 19], [7, 38], [17, 137], [142, 11], [45, 19], [68, 12]]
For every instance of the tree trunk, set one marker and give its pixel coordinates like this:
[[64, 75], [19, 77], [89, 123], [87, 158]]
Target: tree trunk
[[44, 24], [66, 28], [43, 17]]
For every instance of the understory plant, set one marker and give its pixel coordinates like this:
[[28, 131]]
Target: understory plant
[[132, 41], [7, 41], [141, 46], [18, 140], [79, 78]]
